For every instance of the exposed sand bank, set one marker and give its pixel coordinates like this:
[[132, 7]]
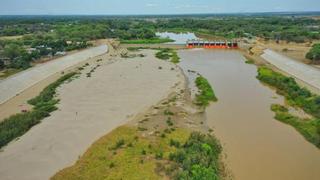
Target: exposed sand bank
[[17, 83], [89, 108]]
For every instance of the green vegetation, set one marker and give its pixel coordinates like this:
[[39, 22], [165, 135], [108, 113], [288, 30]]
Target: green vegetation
[[8, 72], [295, 29], [198, 158], [137, 153], [309, 128], [206, 93], [43, 36], [147, 41], [249, 61], [176, 155], [16, 125], [295, 96], [314, 53], [168, 54]]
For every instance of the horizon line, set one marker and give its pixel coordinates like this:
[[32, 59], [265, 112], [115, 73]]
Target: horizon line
[[168, 14]]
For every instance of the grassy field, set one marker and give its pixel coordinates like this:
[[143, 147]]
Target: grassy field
[[296, 97], [16, 125], [206, 93], [126, 153], [147, 41]]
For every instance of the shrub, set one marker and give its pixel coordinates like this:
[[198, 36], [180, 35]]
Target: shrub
[[166, 54], [314, 53], [206, 92], [198, 157], [288, 87]]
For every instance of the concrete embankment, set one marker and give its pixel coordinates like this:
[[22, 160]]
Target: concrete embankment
[[303, 72]]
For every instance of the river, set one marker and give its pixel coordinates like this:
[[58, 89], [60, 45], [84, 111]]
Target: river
[[257, 146], [179, 38]]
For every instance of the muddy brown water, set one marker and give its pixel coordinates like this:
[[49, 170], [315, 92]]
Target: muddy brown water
[[257, 146]]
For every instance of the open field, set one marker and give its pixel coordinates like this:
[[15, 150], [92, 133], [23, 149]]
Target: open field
[[90, 107]]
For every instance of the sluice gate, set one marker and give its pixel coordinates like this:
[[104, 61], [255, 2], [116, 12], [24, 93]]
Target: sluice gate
[[212, 44]]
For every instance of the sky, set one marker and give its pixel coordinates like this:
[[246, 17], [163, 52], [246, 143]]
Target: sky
[[130, 7]]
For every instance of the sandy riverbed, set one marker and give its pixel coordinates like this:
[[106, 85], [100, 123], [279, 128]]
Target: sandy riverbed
[[89, 108]]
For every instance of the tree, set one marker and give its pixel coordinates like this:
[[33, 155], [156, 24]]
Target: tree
[[1, 64], [314, 53], [13, 51]]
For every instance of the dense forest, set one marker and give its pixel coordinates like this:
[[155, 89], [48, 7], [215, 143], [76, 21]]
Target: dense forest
[[43, 36]]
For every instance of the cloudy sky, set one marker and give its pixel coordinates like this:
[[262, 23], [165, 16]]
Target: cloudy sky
[[108, 7]]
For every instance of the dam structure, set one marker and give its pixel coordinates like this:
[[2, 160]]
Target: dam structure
[[218, 44]]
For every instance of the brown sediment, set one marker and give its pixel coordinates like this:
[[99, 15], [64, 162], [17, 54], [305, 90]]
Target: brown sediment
[[255, 143], [90, 107]]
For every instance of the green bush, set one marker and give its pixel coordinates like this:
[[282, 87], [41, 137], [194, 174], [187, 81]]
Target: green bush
[[314, 53], [166, 54], [198, 158], [288, 87], [16, 125], [206, 92]]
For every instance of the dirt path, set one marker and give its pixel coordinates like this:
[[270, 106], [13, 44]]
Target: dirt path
[[89, 108]]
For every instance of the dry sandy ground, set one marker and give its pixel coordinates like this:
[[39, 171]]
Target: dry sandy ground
[[89, 108], [19, 102]]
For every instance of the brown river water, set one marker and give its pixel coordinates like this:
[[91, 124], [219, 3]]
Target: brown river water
[[257, 146]]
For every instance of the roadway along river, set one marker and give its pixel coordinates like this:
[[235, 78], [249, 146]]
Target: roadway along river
[[14, 85], [257, 146]]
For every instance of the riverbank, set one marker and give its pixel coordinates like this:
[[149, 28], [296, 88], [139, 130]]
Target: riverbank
[[254, 142], [160, 143], [18, 102], [108, 93], [296, 97]]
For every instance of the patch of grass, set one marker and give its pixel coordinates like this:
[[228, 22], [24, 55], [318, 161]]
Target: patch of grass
[[168, 54], [142, 157], [9, 72], [206, 93], [147, 41], [167, 112], [169, 122], [309, 128], [16, 125], [249, 61]]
